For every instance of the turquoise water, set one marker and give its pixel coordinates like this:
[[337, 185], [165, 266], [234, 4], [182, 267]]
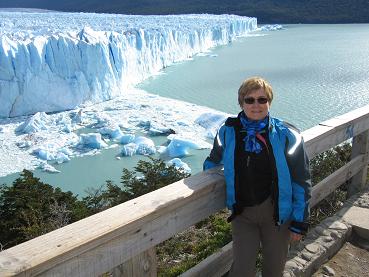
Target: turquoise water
[[317, 72]]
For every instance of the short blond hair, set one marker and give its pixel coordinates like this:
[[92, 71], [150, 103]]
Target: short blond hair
[[252, 84]]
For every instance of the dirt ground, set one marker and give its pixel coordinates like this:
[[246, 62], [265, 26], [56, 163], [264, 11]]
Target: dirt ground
[[350, 261]]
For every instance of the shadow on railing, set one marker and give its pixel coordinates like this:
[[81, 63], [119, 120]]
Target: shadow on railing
[[121, 239]]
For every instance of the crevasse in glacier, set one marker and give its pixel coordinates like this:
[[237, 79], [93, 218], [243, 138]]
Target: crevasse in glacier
[[58, 61]]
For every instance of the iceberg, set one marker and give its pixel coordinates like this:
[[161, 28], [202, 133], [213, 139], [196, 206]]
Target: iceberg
[[140, 146], [50, 152], [129, 149], [211, 122], [92, 140], [112, 132], [44, 154], [145, 146], [180, 146], [47, 167], [126, 138], [179, 164], [35, 123], [89, 58]]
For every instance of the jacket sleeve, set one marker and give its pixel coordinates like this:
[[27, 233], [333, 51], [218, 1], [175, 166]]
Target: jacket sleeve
[[298, 163], [216, 155]]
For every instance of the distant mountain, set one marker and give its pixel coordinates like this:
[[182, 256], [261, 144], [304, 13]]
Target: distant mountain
[[267, 11]]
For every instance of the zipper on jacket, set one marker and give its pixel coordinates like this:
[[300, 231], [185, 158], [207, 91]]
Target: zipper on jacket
[[248, 161], [275, 189]]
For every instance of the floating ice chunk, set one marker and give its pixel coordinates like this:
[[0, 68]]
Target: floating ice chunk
[[92, 140], [47, 168], [179, 147], [183, 123], [24, 144], [145, 146], [129, 149], [65, 151], [154, 128], [102, 120], [35, 123], [140, 146], [113, 132], [78, 117], [125, 125], [127, 138], [144, 123], [273, 27], [113, 146], [67, 129], [211, 122], [61, 158], [44, 154], [65, 123], [158, 129], [179, 164], [116, 133], [161, 149], [63, 119]]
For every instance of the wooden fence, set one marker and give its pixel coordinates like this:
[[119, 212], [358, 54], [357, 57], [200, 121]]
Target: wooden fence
[[122, 240]]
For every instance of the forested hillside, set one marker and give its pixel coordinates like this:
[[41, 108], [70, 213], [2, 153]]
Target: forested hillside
[[267, 11]]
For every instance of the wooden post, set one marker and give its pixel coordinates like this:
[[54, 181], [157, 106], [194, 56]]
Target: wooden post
[[144, 264], [360, 145]]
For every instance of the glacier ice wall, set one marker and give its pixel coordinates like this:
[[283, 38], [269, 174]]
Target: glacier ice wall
[[58, 61]]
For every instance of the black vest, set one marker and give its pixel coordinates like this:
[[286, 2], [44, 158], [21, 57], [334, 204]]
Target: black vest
[[253, 172]]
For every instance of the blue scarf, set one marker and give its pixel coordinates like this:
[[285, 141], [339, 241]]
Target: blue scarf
[[252, 127]]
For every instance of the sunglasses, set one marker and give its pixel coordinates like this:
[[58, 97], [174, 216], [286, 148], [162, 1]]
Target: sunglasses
[[251, 100]]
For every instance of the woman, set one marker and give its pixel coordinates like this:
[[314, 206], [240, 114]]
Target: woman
[[267, 181]]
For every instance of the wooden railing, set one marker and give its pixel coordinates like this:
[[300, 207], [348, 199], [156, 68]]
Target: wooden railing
[[121, 240]]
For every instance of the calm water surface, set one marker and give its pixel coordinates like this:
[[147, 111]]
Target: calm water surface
[[317, 72]]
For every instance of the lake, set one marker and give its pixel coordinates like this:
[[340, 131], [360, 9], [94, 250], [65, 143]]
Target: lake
[[317, 72]]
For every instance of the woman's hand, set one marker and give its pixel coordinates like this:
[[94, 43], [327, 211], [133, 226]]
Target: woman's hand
[[294, 237]]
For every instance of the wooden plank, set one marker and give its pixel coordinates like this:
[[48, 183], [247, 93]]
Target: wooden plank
[[360, 145], [103, 241], [143, 265], [333, 181], [335, 131], [215, 265]]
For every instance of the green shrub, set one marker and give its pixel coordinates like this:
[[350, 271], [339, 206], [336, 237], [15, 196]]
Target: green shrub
[[30, 208]]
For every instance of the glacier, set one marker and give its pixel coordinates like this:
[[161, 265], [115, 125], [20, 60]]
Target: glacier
[[53, 61]]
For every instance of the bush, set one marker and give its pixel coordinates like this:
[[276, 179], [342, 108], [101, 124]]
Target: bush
[[147, 176], [321, 166], [30, 208]]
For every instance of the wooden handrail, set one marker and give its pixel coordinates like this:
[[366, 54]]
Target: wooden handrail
[[95, 245]]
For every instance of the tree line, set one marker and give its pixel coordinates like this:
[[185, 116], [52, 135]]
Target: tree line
[[267, 11]]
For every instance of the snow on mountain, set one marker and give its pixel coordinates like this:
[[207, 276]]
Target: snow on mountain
[[59, 61]]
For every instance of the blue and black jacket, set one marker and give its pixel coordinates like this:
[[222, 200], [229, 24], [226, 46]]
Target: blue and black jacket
[[291, 185]]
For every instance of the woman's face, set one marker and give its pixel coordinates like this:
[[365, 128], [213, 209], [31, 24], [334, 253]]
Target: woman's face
[[252, 107]]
